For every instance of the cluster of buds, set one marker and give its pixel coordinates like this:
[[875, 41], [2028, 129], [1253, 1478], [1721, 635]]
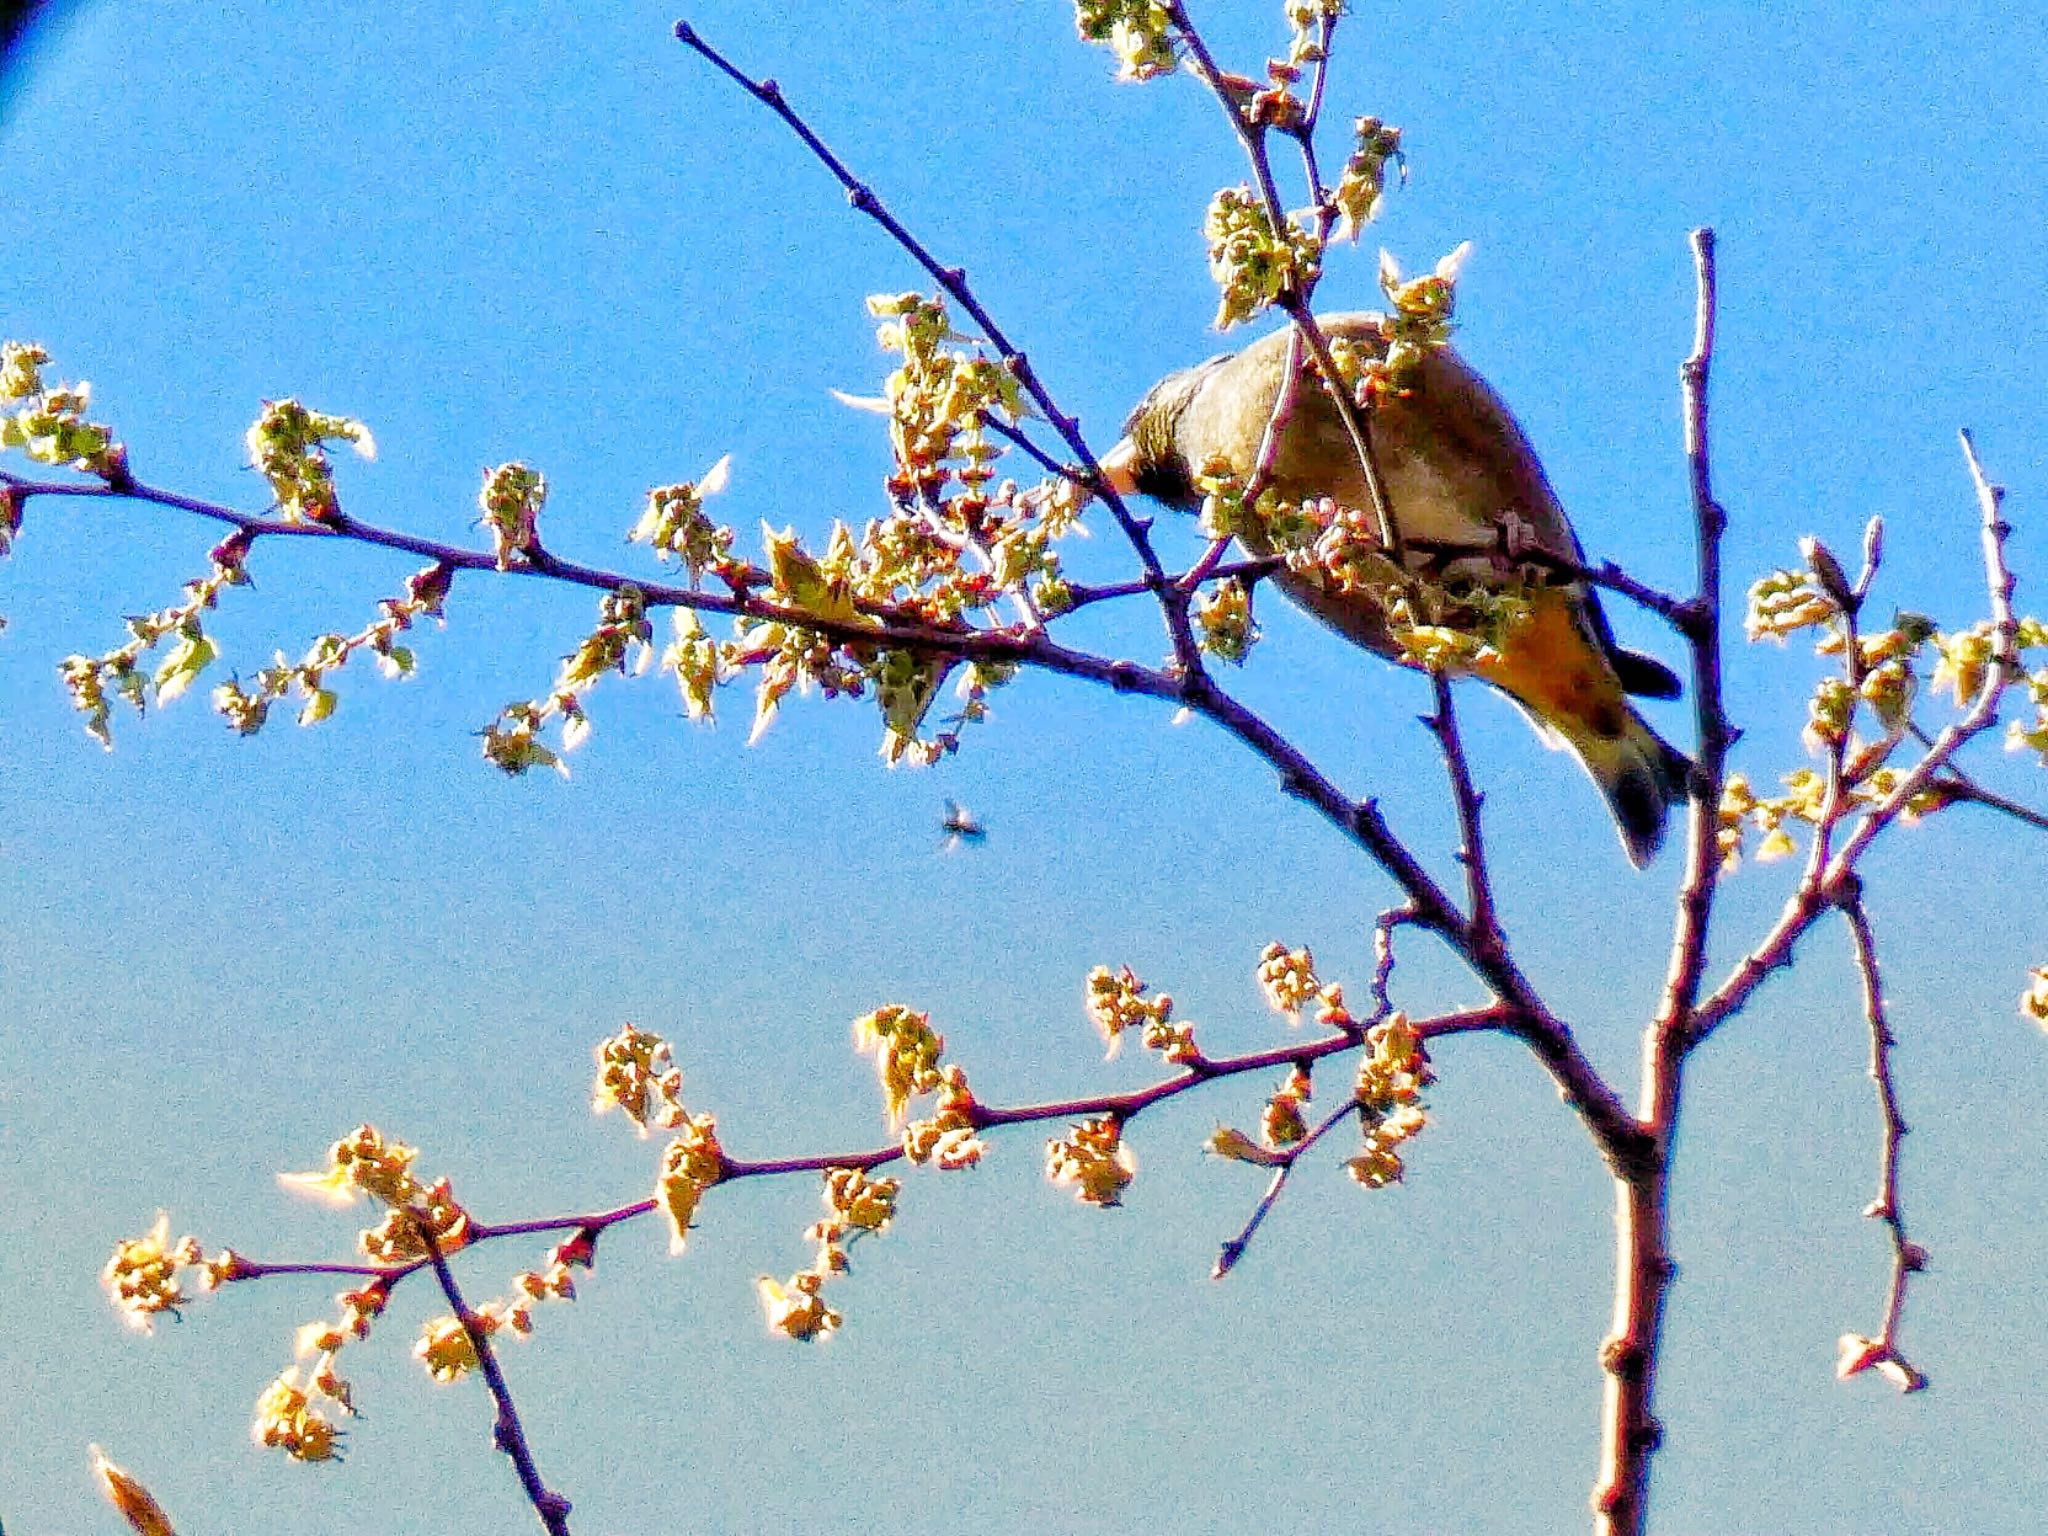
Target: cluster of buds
[[637, 1075], [1829, 714], [1222, 617], [907, 1051], [697, 662], [1116, 1002], [622, 641], [1256, 265], [940, 399], [796, 1308], [1138, 32], [1362, 186], [792, 657], [2034, 1001], [1883, 672], [1288, 978], [692, 1162], [292, 1416], [49, 422], [510, 503], [364, 1162], [911, 567], [1284, 1121], [1785, 602], [1345, 553], [145, 1277], [288, 447], [1389, 1094], [1093, 1160], [246, 708], [94, 682], [1303, 22], [947, 1138], [1418, 323], [1263, 523], [1805, 801], [856, 1206], [675, 523], [1463, 626]]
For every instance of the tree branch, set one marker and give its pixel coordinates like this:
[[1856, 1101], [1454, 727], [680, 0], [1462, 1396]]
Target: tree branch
[[1283, 1167], [1296, 304], [1815, 894], [1483, 921], [1644, 1269], [507, 1433], [953, 281], [1908, 1257]]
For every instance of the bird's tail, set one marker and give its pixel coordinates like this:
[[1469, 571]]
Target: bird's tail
[[1567, 686], [1642, 775]]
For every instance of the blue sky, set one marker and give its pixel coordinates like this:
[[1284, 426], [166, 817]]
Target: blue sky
[[535, 232]]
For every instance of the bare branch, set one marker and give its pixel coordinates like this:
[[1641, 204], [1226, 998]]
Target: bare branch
[[507, 1433], [1443, 724], [1283, 1166], [1630, 1431], [1908, 1257], [1703, 625]]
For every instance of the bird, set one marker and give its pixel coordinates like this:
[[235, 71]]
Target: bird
[[1457, 471]]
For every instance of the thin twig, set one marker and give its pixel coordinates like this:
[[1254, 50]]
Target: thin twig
[[1479, 904], [1383, 957], [1959, 788], [1249, 572], [1703, 630], [1283, 1166], [507, 1433], [1304, 134], [1908, 1257], [953, 280]]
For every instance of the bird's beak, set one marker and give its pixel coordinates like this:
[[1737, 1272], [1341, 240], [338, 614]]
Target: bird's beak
[[1120, 468]]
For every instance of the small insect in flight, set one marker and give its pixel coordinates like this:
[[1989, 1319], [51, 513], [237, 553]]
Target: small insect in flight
[[960, 826]]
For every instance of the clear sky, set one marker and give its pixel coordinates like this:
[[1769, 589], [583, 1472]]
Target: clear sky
[[546, 231]]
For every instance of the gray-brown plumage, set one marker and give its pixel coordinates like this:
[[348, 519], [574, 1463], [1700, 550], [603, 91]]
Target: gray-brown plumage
[[1456, 468]]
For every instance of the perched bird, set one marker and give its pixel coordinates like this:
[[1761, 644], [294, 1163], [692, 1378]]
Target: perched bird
[[1456, 470]]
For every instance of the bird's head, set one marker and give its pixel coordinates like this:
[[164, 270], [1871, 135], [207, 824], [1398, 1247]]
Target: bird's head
[[1149, 460]]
